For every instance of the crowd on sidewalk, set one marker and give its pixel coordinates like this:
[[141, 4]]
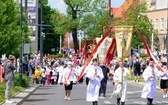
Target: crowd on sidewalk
[[53, 71]]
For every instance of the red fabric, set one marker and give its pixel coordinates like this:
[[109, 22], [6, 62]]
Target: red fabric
[[111, 51], [1, 72], [148, 50], [93, 52]]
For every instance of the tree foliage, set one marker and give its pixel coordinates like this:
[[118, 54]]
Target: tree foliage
[[89, 16], [51, 39], [9, 27], [135, 16]]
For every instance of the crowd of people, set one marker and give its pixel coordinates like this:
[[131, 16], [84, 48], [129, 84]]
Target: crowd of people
[[65, 71]]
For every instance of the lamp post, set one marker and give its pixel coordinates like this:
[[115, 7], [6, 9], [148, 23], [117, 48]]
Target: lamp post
[[21, 46], [41, 36], [110, 16], [60, 43]]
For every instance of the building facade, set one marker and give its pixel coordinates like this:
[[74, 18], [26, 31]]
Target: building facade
[[32, 19], [158, 13]]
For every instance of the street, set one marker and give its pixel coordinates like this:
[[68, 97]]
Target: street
[[54, 95]]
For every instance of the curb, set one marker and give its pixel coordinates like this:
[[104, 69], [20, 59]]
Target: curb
[[20, 97]]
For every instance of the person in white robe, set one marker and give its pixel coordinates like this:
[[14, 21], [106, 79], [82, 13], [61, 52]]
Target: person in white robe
[[120, 80], [60, 70], [95, 76], [150, 75]]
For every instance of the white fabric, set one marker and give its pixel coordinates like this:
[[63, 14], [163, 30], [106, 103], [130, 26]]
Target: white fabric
[[164, 74], [119, 76], [66, 73], [150, 83], [94, 83], [61, 70]]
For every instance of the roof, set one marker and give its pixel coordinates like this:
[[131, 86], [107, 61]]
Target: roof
[[118, 12]]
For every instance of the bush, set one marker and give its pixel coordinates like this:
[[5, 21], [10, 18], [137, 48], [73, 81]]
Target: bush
[[143, 55], [25, 80], [58, 55]]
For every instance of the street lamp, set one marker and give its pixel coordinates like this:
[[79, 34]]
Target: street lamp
[[21, 46], [41, 36], [110, 16]]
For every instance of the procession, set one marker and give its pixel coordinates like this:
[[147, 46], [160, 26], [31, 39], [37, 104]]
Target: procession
[[98, 52]]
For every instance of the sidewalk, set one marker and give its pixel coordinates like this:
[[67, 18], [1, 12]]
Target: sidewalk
[[19, 98]]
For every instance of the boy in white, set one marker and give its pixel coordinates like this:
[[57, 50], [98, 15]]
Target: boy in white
[[150, 76], [95, 76]]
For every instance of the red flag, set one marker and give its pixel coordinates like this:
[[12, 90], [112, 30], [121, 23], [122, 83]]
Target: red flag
[[111, 51], [83, 45], [93, 52], [148, 50]]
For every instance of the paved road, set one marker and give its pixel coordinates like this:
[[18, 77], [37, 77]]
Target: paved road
[[54, 95]]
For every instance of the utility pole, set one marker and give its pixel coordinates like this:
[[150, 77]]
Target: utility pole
[[21, 46], [41, 35], [110, 16], [60, 43]]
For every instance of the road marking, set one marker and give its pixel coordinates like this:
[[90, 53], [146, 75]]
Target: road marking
[[107, 102], [132, 92], [139, 102], [102, 97]]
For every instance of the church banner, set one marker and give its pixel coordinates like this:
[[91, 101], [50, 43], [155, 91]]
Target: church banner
[[123, 35]]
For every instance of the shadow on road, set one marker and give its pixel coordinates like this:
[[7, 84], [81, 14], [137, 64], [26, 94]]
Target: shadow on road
[[33, 100], [77, 99], [43, 94]]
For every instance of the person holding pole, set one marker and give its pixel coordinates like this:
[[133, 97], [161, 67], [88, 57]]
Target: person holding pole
[[120, 80]]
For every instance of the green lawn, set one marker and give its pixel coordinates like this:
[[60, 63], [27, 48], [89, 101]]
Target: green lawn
[[14, 90], [131, 78]]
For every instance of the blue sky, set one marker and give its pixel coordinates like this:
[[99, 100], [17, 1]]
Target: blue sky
[[60, 5]]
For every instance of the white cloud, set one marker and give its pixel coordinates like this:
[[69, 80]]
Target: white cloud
[[58, 4]]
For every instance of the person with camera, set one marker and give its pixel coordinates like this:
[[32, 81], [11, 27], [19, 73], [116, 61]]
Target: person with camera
[[9, 77]]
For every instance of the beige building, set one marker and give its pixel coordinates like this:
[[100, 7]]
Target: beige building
[[159, 20]]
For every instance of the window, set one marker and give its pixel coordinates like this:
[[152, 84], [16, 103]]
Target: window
[[151, 21], [162, 23], [156, 24]]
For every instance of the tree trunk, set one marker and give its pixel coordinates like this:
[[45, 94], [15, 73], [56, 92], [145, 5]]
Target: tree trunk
[[74, 32], [75, 40]]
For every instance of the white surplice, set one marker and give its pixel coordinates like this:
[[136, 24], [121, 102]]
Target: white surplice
[[94, 83], [121, 89], [150, 83]]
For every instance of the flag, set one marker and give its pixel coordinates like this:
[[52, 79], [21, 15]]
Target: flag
[[123, 35], [111, 51], [148, 50], [94, 53], [82, 47]]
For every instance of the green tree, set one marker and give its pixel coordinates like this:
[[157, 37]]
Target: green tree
[[135, 16], [51, 39], [9, 27], [89, 16]]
